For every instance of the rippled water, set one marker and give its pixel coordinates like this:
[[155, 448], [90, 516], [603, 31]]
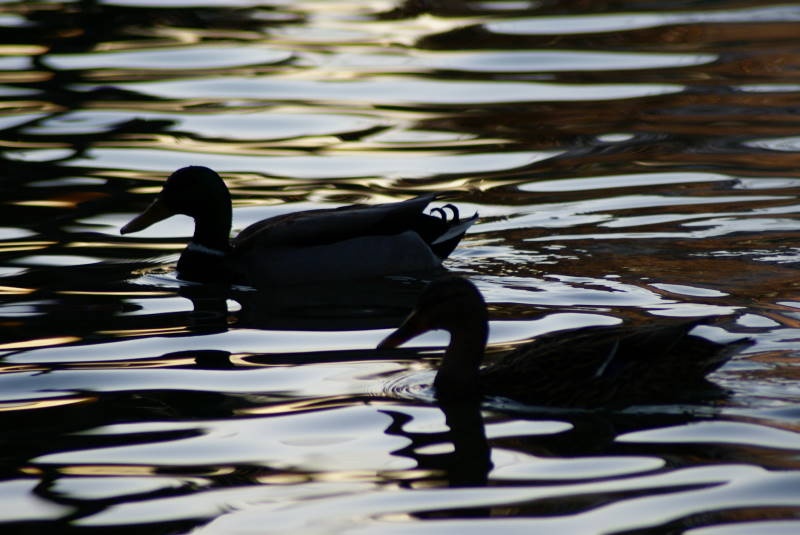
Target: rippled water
[[631, 161]]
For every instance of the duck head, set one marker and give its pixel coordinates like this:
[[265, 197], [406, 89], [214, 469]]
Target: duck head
[[196, 191], [201, 194], [455, 305]]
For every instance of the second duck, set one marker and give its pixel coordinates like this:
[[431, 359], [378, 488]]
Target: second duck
[[592, 367]]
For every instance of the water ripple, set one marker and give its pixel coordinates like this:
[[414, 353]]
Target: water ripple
[[628, 163]]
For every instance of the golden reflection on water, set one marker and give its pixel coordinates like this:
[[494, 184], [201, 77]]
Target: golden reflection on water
[[135, 364], [724, 108], [139, 333], [14, 368], [11, 290], [45, 404], [132, 293], [128, 245], [21, 50], [11, 247], [24, 77], [100, 470], [46, 203], [40, 342], [243, 360]]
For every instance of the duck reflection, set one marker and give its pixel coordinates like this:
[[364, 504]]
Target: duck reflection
[[346, 306], [586, 449], [469, 462]]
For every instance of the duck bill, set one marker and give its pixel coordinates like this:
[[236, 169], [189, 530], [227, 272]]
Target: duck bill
[[412, 327], [154, 213]]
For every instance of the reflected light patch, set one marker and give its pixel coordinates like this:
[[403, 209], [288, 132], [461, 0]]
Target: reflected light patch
[[40, 342], [31, 471], [11, 290], [37, 153], [139, 365], [283, 479], [124, 294], [25, 245], [22, 248], [147, 190], [22, 50], [145, 332], [45, 204], [55, 260], [100, 470], [67, 201], [43, 404], [17, 368], [101, 245]]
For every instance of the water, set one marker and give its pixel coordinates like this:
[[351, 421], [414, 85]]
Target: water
[[631, 162]]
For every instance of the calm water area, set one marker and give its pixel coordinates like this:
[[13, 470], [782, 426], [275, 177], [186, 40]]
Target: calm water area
[[631, 162]]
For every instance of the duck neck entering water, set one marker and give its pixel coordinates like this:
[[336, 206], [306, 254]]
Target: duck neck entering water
[[458, 373]]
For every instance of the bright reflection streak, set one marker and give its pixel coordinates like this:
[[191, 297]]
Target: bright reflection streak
[[100, 470], [44, 404], [40, 342], [145, 332], [126, 294], [11, 290]]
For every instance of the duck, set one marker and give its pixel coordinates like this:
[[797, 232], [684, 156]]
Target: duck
[[348, 242], [598, 367]]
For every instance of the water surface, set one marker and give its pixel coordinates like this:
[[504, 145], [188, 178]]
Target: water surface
[[631, 162]]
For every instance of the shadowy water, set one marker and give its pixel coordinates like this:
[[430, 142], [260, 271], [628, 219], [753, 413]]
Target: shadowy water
[[631, 162]]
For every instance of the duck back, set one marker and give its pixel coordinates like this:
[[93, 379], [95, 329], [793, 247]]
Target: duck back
[[609, 366], [355, 258]]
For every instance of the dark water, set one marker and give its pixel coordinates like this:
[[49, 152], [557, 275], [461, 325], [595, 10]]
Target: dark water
[[631, 161]]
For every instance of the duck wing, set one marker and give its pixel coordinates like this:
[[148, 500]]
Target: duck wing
[[321, 227], [609, 366]]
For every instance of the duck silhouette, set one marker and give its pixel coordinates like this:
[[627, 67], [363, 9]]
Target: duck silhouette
[[591, 367], [349, 242]]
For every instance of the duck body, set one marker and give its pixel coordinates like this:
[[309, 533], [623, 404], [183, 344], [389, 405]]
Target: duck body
[[610, 366], [591, 367], [349, 242]]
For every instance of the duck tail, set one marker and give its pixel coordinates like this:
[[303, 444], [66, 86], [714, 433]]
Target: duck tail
[[445, 243], [717, 354], [675, 353]]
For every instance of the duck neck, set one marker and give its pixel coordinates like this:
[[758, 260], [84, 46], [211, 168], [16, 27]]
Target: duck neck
[[205, 259], [458, 373], [213, 230]]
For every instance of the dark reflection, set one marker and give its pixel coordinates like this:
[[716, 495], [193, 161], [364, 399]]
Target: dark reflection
[[344, 306], [209, 308], [593, 434], [74, 303], [719, 119], [596, 435], [469, 463], [90, 304]]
